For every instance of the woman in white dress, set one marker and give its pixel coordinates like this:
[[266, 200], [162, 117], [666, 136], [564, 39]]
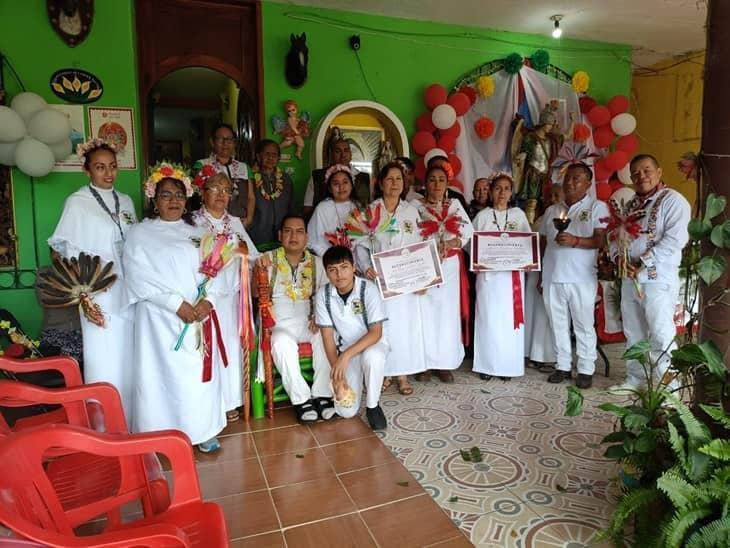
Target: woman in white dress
[[216, 190], [327, 225], [405, 320], [499, 327], [95, 220], [446, 222], [173, 388]]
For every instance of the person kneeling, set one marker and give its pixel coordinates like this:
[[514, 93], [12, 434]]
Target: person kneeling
[[350, 315], [295, 274]]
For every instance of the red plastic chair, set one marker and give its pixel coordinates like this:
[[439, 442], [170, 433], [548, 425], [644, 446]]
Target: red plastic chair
[[31, 508], [80, 477]]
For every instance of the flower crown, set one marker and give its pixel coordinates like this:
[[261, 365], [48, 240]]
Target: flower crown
[[336, 169], [162, 170], [203, 175], [498, 175], [83, 149]]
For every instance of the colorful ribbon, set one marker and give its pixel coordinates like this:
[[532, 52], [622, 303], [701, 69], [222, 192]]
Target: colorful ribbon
[[518, 313], [210, 322]]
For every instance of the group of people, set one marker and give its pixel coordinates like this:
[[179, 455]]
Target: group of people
[[177, 326]]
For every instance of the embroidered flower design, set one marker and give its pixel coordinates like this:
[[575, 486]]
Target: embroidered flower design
[[511, 225], [408, 227], [126, 216], [585, 216]]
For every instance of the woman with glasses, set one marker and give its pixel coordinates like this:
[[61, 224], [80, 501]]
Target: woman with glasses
[[215, 190], [273, 189], [174, 387], [223, 145]]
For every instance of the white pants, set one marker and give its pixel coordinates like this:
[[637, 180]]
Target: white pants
[[649, 318], [576, 301], [285, 339], [370, 368]]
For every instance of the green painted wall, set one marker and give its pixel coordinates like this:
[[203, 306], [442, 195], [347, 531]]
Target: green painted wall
[[35, 51], [399, 58]]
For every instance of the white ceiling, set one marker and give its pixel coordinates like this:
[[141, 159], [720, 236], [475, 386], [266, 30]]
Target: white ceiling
[[657, 29]]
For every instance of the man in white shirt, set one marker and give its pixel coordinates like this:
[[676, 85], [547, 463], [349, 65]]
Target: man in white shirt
[[647, 306], [295, 274], [569, 278], [350, 314]]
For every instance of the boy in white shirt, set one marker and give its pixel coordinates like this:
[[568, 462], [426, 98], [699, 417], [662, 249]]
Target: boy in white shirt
[[350, 315], [569, 276]]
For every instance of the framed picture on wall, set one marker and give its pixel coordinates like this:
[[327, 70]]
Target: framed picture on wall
[[115, 125], [75, 115], [364, 144]]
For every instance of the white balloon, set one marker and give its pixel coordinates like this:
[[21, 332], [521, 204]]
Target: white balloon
[[61, 150], [443, 116], [12, 127], [34, 158], [49, 126], [27, 104], [433, 153], [624, 174], [623, 124], [7, 153]]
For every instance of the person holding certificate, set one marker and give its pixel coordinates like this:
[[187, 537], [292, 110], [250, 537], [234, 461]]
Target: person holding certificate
[[398, 227], [499, 342], [446, 306]]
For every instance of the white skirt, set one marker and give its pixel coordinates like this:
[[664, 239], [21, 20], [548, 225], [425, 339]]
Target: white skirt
[[404, 332]]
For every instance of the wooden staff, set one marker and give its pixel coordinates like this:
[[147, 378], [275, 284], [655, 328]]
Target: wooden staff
[[267, 322], [245, 329]]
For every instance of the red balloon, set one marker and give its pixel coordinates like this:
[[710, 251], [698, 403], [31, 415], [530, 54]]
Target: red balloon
[[586, 103], [599, 116], [470, 92], [455, 163], [422, 142], [603, 136], [628, 143], [460, 102], [446, 143], [616, 160], [618, 104], [424, 122], [581, 132], [454, 131], [435, 95], [601, 171], [614, 185], [603, 191], [420, 169]]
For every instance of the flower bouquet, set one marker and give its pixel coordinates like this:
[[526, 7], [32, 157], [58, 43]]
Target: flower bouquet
[[624, 227]]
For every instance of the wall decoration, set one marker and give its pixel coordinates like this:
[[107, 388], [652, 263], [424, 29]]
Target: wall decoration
[[65, 152], [71, 19], [76, 86], [296, 61], [294, 129], [115, 125], [8, 243]]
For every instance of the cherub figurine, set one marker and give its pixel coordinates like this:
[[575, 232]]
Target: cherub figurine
[[294, 129]]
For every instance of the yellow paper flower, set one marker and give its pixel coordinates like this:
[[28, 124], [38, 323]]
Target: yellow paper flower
[[581, 81], [485, 86], [5, 325]]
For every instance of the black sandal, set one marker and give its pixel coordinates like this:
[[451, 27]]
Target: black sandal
[[306, 408], [325, 408]]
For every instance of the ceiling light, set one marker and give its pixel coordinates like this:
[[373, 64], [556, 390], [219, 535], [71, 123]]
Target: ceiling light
[[557, 31]]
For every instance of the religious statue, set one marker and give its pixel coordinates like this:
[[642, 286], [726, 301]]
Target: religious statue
[[294, 129], [533, 153]]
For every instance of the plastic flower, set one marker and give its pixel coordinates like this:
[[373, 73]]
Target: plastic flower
[[166, 169], [580, 81], [485, 86], [203, 175], [484, 127]]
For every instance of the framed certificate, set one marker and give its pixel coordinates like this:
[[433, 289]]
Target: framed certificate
[[408, 269], [499, 251]]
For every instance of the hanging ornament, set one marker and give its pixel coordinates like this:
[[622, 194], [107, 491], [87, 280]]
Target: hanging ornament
[[485, 86], [484, 127], [580, 81]]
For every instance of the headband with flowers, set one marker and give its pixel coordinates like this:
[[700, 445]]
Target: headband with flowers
[[203, 175], [164, 170], [336, 169], [83, 149], [446, 167], [498, 175]]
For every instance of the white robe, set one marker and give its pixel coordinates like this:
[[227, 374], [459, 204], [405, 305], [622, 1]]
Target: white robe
[[404, 327], [227, 307], [539, 345], [441, 305], [162, 264], [498, 346], [85, 226], [328, 216]]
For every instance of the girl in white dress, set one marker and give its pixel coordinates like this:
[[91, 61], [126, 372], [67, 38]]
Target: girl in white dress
[[216, 190], [405, 319], [499, 330], [447, 222], [326, 227], [95, 220], [173, 388]]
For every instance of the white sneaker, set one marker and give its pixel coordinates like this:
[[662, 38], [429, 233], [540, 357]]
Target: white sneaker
[[623, 388]]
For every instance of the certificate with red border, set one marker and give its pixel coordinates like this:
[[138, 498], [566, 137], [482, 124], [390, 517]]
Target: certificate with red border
[[408, 269], [505, 251]]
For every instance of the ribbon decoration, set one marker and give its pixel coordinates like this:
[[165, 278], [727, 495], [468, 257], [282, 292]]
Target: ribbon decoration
[[518, 313], [339, 237], [208, 343], [440, 222], [464, 304], [366, 223]]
